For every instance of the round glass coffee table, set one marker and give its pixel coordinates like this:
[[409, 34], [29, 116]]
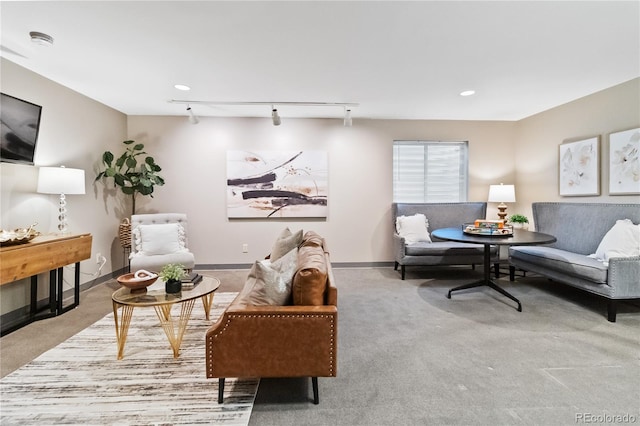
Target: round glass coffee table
[[162, 302]]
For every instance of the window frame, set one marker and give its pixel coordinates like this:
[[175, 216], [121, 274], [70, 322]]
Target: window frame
[[428, 194]]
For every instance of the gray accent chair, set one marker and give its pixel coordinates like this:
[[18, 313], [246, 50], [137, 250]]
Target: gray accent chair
[[155, 262], [579, 228], [438, 252]]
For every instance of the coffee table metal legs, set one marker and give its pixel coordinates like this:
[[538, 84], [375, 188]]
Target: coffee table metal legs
[[207, 301], [122, 327], [486, 281], [174, 334]]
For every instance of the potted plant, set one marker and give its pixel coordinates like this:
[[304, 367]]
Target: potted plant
[[172, 275], [132, 176], [519, 221]]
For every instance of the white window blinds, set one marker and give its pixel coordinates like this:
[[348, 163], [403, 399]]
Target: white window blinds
[[426, 171]]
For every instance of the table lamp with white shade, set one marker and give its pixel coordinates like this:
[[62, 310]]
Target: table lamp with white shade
[[502, 194], [63, 181]]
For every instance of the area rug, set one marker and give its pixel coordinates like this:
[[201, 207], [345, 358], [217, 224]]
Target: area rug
[[80, 381]]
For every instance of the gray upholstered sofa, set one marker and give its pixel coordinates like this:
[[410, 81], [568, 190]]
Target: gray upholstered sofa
[[579, 229], [438, 252]]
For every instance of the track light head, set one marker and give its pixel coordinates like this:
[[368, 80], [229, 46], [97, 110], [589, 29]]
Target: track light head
[[275, 117], [347, 118], [193, 119]]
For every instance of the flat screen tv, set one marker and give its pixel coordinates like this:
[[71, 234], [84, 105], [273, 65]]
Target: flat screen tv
[[20, 125]]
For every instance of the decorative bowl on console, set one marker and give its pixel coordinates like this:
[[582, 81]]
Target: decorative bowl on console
[[18, 236], [137, 282]]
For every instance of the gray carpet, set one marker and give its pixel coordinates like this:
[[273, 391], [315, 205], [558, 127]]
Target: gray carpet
[[410, 356]]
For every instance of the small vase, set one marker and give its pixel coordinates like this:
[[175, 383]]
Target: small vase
[[173, 286]]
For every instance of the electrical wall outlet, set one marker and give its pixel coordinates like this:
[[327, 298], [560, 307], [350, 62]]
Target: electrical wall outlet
[[245, 248], [99, 258]]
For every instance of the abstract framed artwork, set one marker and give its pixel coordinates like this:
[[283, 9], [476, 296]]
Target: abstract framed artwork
[[277, 184], [624, 165], [579, 167]]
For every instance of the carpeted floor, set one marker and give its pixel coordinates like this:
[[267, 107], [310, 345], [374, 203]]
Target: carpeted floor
[[408, 355], [80, 381]]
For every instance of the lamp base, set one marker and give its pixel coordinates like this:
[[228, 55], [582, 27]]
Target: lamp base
[[502, 214], [62, 216]]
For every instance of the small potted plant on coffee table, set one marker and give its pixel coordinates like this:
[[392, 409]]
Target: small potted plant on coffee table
[[172, 275], [519, 221]]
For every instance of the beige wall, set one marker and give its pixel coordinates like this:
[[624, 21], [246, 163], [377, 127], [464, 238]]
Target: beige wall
[[538, 138], [358, 227], [74, 131]]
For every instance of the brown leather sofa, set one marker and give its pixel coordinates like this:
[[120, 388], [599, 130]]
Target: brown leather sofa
[[296, 340]]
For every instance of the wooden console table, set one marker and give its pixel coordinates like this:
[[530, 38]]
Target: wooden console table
[[45, 253]]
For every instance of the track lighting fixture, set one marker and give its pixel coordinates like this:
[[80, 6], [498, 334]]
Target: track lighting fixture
[[275, 117], [193, 119], [347, 118]]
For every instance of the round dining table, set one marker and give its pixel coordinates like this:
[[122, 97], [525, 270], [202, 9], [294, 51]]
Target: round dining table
[[520, 237]]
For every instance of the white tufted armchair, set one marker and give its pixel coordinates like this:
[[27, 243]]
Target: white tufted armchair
[[159, 239]]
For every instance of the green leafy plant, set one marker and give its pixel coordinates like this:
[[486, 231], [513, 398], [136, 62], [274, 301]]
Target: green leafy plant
[[172, 271], [131, 175], [518, 218]]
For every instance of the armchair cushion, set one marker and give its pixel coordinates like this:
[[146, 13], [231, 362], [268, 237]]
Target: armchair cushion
[[269, 282], [158, 239]]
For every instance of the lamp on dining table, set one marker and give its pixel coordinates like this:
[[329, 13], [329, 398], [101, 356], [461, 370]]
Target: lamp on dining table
[[502, 194]]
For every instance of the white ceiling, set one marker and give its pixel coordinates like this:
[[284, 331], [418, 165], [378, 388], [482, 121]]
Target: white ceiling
[[398, 60]]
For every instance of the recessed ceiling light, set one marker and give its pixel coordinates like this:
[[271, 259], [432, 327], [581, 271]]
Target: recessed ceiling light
[[468, 93], [182, 87], [41, 38]]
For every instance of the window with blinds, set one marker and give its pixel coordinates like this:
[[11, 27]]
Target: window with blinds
[[430, 171]]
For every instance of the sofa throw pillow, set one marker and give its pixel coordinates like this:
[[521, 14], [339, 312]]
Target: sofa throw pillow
[[413, 228], [285, 242], [622, 240], [310, 280], [157, 239], [272, 280]]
